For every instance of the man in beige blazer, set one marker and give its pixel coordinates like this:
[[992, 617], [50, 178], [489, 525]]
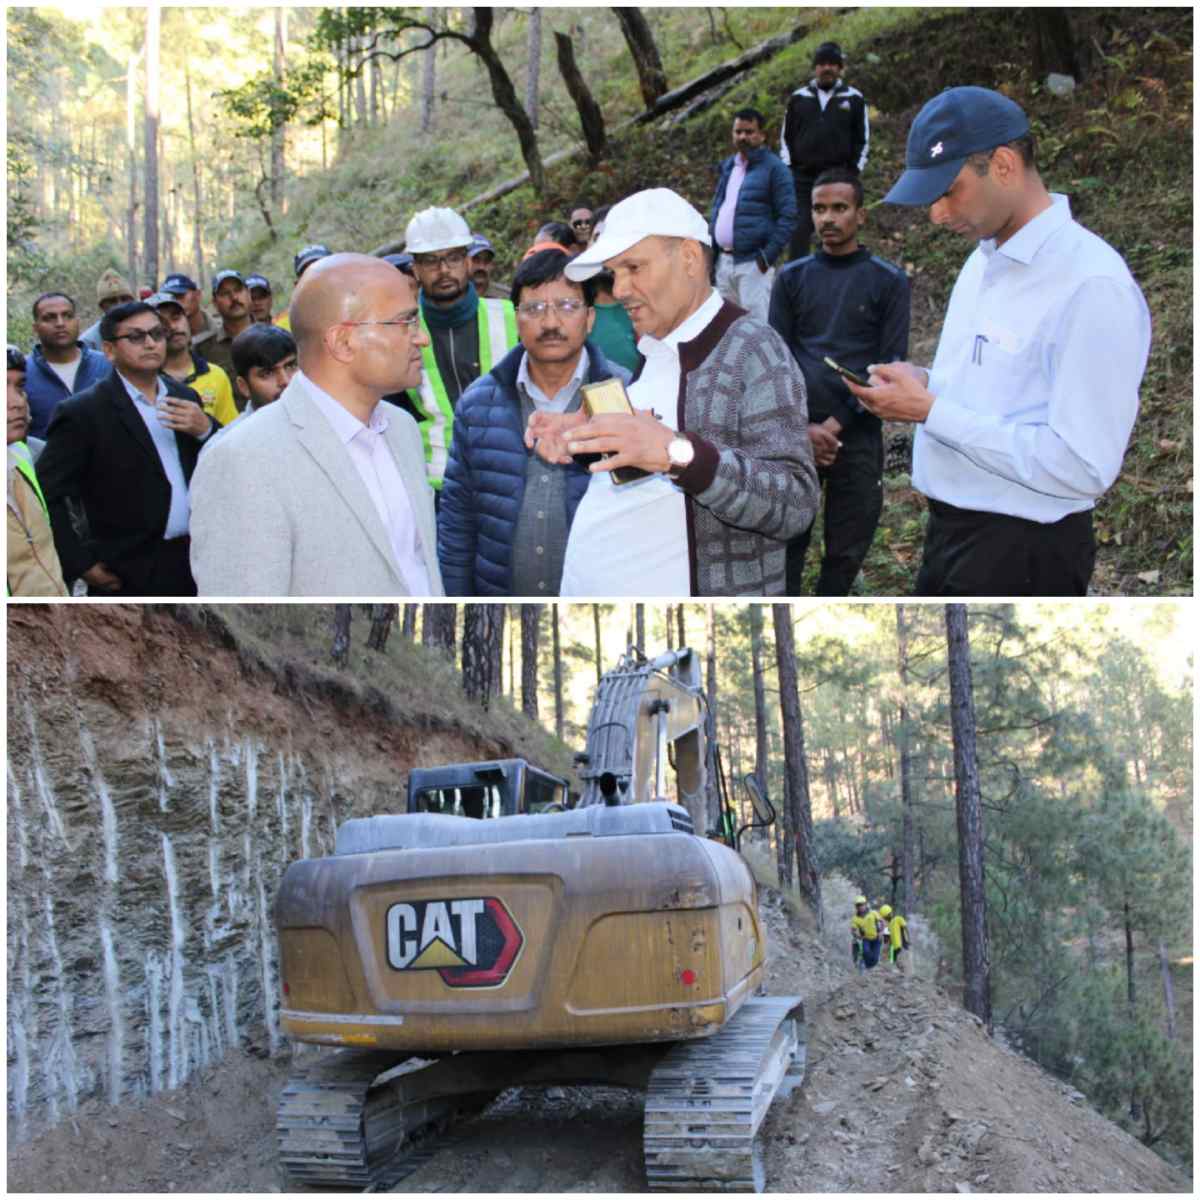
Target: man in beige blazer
[[324, 492]]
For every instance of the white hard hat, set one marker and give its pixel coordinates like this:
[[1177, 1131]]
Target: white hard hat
[[436, 229]]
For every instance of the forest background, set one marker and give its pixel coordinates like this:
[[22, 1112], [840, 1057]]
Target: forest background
[[1084, 731], [152, 139]]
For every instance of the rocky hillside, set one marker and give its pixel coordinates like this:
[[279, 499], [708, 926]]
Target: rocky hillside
[[160, 778]]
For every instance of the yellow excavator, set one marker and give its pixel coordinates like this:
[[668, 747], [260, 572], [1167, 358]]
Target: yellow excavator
[[502, 931]]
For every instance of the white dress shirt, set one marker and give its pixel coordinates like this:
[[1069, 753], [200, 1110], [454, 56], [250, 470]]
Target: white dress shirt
[[1036, 374], [630, 539], [168, 454], [372, 459]]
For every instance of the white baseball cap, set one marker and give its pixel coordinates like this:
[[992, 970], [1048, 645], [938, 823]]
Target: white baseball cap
[[657, 212]]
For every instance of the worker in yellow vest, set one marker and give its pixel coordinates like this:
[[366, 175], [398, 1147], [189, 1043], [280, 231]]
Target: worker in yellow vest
[[467, 334], [897, 936], [865, 929]]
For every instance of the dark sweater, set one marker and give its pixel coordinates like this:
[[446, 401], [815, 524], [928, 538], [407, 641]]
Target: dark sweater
[[855, 309]]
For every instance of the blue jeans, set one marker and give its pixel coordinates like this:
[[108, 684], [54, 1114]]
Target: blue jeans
[[870, 951]]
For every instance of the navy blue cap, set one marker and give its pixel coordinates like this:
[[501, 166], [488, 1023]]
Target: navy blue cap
[[829, 52], [478, 243], [220, 277], [402, 262], [308, 255], [16, 360], [157, 300], [960, 122], [177, 283], [258, 281]]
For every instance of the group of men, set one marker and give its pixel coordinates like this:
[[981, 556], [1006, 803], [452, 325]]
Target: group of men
[[422, 435], [877, 933]]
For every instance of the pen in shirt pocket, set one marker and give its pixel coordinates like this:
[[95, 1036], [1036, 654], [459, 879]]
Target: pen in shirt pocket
[[977, 352]]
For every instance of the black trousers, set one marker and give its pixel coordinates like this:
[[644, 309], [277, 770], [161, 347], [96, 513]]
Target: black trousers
[[971, 553], [801, 243], [853, 503], [167, 573]]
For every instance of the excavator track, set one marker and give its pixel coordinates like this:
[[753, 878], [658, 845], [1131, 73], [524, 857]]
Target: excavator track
[[707, 1099], [339, 1124]]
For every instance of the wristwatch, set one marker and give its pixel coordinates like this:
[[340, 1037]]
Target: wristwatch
[[680, 452]]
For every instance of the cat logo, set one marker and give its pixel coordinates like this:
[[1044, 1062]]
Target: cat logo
[[468, 942]]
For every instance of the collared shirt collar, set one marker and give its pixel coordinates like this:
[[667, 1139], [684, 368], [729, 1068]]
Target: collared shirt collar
[[345, 424], [696, 323], [525, 380], [137, 396], [1023, 246]]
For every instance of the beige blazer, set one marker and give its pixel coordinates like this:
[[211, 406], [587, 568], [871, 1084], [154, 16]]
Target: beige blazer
[[278, 508]]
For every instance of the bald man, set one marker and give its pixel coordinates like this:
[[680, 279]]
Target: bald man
[[324, 493]]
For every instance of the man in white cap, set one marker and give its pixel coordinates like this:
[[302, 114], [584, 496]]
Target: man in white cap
[[720, 426], [1023, 420], [468, 335]]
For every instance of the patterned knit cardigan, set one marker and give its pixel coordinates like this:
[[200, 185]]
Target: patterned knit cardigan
[[752, 485]]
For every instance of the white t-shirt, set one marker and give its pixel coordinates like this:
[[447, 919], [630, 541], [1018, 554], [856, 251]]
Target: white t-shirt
[[630, 539], [66, 371]]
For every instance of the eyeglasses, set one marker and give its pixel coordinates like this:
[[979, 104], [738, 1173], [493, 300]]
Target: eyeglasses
[[582, 223], [138, 336], [534, 310], [452, 258], [409, 322]]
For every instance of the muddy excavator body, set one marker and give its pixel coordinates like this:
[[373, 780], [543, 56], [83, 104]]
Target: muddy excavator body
[[508, 936]]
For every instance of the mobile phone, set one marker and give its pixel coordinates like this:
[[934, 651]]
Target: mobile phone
[[846, 373], [600, 399]]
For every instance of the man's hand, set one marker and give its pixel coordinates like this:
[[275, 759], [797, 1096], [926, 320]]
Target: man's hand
[[637, 440], [898, 392], [98, 576], [183, 416], [825, 441], [547, 432]]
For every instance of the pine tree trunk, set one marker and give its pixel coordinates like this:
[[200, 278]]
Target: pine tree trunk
[[131, 157], [438, 630], [1164, 964], [342, 616], [591, 116], [670, 627], [798, 801], [906, 798], [558, 675], [150, 241], [639, 39], [408, 627], [976, 953], [639, 611], [712, 784], [483, 633], [682, 631], [760, 698], [531, 616], [534, 70], [278, 133], [428, 78], [382, 616], [599, 652]]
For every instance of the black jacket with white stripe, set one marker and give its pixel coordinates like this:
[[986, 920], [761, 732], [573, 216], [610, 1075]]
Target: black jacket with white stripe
[[837, 135]]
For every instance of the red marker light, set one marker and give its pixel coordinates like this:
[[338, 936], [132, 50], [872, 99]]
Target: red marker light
[[286, 989], [687, 977]]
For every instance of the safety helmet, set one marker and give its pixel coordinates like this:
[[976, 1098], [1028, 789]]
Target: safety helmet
[[885, 910], [436, 229], [860, 899]]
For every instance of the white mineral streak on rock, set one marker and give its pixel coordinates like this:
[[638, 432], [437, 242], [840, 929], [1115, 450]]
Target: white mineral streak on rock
[[116, 1024], [154, 1015], [61, 1061], [214, 788], [178, 1066], [108, 814], [22, 1027], [16, 816], [229, 981], [41, 784], [166, 780], [251, 780], [281, 807], [266, 946], [214, 866]]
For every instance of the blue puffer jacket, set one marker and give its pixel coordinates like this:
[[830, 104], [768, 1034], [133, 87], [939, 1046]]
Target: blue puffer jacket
[[766, 207], [44, 389], [485, 478]]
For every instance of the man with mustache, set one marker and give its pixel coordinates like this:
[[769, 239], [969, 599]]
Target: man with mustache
[[844, 303], [505, 513], [323, 492], [232, 299]]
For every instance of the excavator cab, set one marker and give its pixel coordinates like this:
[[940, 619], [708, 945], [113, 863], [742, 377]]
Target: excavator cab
[[485, 790]]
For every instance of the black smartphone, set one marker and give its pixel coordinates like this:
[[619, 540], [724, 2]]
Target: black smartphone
[[846, 373]]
